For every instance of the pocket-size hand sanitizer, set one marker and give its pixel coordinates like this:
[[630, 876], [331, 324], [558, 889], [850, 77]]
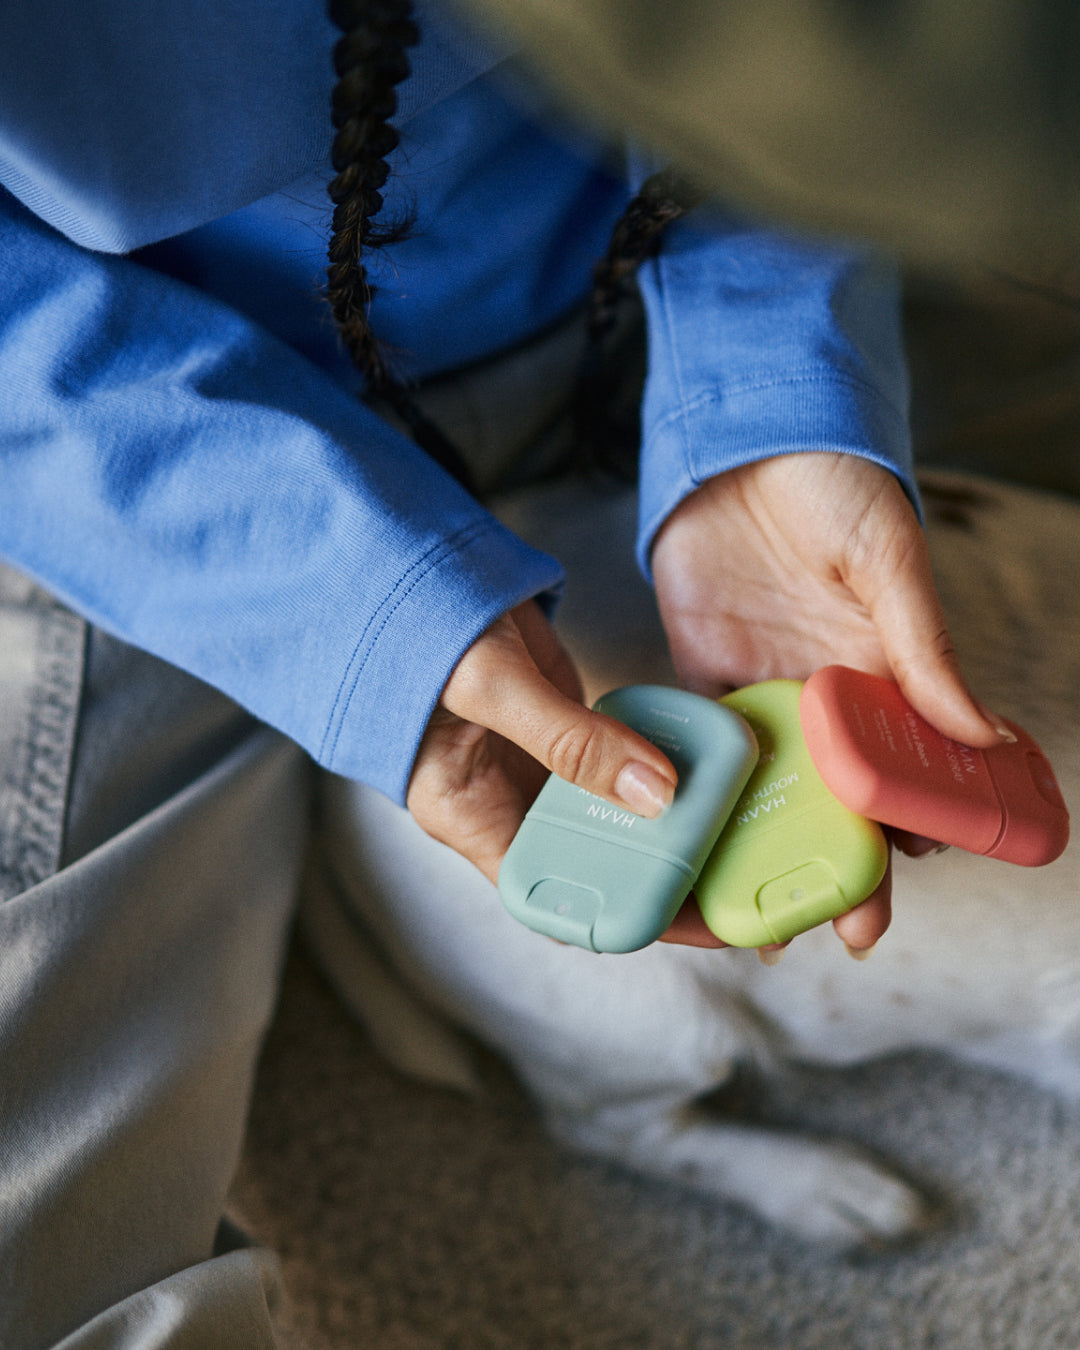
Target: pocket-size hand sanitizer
[[791, 856], [880, 757], [588, 873]]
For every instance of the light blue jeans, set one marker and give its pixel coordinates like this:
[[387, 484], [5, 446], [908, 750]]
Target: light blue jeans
[[151, 838]]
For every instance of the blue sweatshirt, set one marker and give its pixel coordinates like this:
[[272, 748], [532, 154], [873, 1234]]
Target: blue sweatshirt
[[184, 458]]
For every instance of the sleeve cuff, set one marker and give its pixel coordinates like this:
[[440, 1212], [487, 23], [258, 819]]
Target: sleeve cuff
[[411, 645], [723, 430]]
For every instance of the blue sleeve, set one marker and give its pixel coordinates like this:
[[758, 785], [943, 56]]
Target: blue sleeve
[[199, 489], [762, 344], [125, 123]]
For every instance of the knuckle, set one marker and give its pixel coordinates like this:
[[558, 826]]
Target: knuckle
[[576, 752], [920, 672], [881, 552], [941, 644]]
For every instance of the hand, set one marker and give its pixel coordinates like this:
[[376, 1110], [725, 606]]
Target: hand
[[782, 566], [510, 712]]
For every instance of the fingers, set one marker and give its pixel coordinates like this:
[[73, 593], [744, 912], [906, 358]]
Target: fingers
[[498, 684], [469, 791], [915, 845], [509, 711], [688, 928], [889, 570], [862, 927]]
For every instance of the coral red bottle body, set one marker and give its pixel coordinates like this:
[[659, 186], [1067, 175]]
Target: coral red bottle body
[[882, 759]]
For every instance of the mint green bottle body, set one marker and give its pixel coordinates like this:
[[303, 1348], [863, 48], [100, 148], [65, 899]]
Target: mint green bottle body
[[791, 856], [585, 872]]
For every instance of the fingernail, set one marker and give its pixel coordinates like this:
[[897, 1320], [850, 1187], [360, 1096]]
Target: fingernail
[[771, 956], [859, 953], [999, 725], [644, 791]]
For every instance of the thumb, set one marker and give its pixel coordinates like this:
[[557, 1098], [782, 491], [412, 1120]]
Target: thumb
[[497, 684], [891, 574]]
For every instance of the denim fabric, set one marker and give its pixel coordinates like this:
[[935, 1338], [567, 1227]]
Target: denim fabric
[[41, 652], [151, 836]]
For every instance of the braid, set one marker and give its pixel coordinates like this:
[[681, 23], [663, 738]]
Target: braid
[[605, 441], [663, 199], [370, 59]]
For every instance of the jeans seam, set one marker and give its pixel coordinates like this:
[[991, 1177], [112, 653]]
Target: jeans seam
[[39, 792]]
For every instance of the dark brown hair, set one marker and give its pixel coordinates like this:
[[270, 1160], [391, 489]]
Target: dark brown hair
[[371, 59]]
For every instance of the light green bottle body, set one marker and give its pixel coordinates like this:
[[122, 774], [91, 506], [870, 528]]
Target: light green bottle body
[[588, 873], [791, 856]]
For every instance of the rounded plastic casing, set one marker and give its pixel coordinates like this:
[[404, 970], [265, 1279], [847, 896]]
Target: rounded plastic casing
[[791, 856], [588, 873], [880, 757]]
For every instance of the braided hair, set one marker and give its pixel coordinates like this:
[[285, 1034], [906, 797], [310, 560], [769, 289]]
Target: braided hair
[[370, 60], [663, 199], [607, 428]]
